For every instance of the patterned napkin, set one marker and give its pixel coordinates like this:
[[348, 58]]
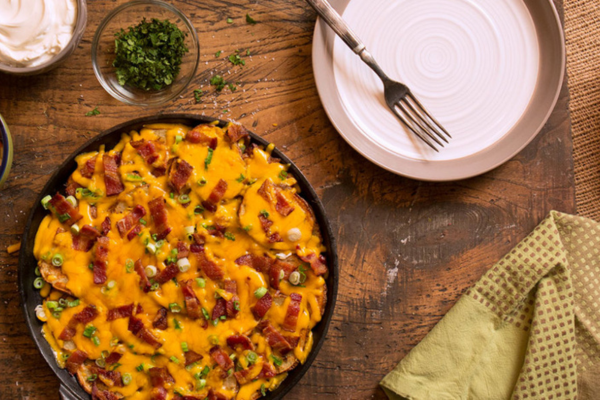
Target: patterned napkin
[[529, 329]]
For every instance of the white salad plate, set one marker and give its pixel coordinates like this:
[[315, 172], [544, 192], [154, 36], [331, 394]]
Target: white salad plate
[[489, 70]]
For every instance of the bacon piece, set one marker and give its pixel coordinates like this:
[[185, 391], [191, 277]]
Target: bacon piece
[[87, 171], [216, 230], [67, 333], [221, 358], [196, 248], [134, 232], [160, 376], [75, 360], [136, 326], [265, 223], [158, 393], [318, 264], [293, 340], [275, 339], [234, 302], [192, 357], [112, 180], [144, 282], [215, 196], [210, 268], [275, 272], [98, 394], [113, 358], [139, 309], [87, 315], [242, 377], [106, 225], [167, 274], [235, 132], [282, 205], [275, 238], [198, 238], [212, 395], [197, 135], [146, 149], [259, 263], [267, 372], [94, 212], [159, 171], [64, 210], [109, 378], [72, 186], [160, 321], [182, 250], [192, 304], [293, 310], [179, 173], [160, 217], [101, 260], [262, 306], [120, 312], [220, 309], [84, 241], [240, 340], [132, 218]]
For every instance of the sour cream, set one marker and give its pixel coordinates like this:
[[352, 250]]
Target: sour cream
[[32, 32]]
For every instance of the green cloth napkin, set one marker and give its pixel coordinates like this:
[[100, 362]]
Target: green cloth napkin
[[528, 329]]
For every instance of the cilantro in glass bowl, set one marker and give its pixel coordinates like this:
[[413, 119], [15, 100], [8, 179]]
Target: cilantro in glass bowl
[[145, 52]]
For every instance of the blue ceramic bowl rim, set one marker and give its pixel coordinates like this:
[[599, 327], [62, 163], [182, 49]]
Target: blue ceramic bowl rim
[[6, 154]]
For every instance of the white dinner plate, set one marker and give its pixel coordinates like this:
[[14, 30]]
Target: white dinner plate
[[489, 70]]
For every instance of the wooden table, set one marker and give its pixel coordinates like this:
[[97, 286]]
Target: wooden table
[[407, 249]]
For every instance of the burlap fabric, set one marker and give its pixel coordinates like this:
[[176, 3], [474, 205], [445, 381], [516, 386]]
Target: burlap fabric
[[528, 329], [582, 32]]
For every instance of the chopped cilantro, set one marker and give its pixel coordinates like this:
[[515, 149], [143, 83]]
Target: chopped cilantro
[[232, 87], [148, 56], [219, 82], [197, 94], [229, 21], [250, 20], [95, 111], [218, 53], [247, 52], [235, 59]]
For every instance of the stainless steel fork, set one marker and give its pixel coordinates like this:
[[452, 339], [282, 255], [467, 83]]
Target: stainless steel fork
[[397, 95]]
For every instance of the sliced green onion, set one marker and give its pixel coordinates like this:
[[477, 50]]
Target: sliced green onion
[[281, 274], [183, 264], [91, 266], [38, 283], [230, 236], [263, 390], [200, 282], [213, 339], [199, 182], [154, 237], [205, 313], [129, 265], [150, 271], [189, 229], [159, 244], [205, 371], [236, 305], [89, 331], [111, 284], [215, 322], [75, 229], [172, 195], [183, 198], [174, 359], [73, 303], [184, 347], [143, 221], [114, 341], [72, 200], [140, 367], [56, 314], [200, 384], [57, 260], [241, 178], [37, 271], [126, 378], [248, 227], [133, 178], [223, 317], [45, 201], [92, 377], [264, 213], [198, 210], [154, 286], [101, 362], [175, 308], [62, 302], [208, 158], [283, 175], [260, 292], [178, 139], [51, 305], [276, 360], [295, 278], [151, 248], [96, 341], [177, 324], [251, 357], [64, 217]]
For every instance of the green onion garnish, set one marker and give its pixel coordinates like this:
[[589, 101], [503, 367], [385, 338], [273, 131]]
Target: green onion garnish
[[247, 228], [45, 201], [154, 286], [51, 305], [38, 283], [57, 260], [126, 378], [89, 331], [264, 213], [37, 271], [251, 357], [200, 282], [143, 221], [230, 236], [236, 305], [184, 347], [176, 323], [260, 292], [178, 139], [208, 158], [184, 198], [276, 360], [201, 182], [92, 378], [241, 178], [96, 341], [140, 367], [205, 313], [174, 307], [129, 265], [213, 339], [283, 175], [174, 359]]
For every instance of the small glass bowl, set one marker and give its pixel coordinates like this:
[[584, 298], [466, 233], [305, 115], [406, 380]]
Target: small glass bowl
[[131, 14], [6, 151], [54, 62]]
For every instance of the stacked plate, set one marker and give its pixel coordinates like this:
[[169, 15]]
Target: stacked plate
[[490, 71]]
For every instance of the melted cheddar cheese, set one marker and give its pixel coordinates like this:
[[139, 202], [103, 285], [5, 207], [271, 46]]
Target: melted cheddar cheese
[[237, 213]]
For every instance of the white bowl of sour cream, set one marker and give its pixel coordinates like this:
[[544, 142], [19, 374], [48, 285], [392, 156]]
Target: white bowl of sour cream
[[37, 35]]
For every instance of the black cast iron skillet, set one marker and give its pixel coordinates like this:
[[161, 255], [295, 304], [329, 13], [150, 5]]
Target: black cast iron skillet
[[69, 388]]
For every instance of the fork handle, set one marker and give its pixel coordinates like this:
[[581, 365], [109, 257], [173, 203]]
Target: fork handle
[[339, 26]]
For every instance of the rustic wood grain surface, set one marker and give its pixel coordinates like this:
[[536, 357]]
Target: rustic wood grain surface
[[407, 249]]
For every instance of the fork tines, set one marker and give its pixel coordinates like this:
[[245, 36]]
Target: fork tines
[[420, 122]]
